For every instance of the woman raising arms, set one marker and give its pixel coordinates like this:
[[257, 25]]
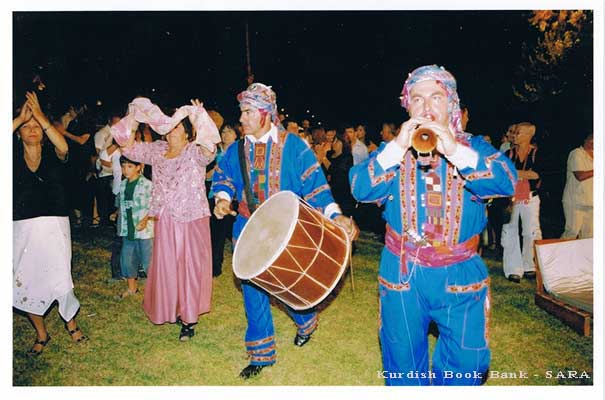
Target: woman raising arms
[[41, 235]]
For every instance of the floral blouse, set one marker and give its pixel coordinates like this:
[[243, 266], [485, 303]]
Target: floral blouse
[[178, 183]]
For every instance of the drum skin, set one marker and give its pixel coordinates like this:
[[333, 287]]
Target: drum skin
[[309, 264]]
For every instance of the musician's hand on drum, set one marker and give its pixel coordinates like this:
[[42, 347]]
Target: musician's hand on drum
[[348, 225], [222, 208]]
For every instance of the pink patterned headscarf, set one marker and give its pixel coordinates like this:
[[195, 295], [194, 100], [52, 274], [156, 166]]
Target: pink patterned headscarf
[[261, 97], [143, 110], [444, 79]]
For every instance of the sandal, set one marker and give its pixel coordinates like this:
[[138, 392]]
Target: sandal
[[35, 353], [82, 338], [95, 222], [128, 293], [187, 332]]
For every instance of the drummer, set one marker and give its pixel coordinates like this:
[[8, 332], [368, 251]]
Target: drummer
[[275, 161]]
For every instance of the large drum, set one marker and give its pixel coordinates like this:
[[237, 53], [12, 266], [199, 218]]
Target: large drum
[[292, 251]]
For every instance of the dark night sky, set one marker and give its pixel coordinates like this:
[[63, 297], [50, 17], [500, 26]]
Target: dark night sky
[[344, 66]]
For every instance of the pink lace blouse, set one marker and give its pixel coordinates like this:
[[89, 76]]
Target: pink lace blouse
[[178, 183]]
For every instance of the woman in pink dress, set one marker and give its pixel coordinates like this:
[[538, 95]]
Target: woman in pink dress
[[179, 282]]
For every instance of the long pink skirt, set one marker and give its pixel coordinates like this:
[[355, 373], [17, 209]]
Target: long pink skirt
[[179, 280]]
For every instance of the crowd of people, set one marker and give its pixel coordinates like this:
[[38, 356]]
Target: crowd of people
[[177, 185]]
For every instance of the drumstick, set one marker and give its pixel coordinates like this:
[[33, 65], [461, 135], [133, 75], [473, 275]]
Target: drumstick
[[351, 262], [351, 267]]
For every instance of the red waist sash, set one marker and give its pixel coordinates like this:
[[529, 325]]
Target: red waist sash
[[429, 256]]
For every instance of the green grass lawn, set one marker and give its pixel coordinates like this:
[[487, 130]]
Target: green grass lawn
[[126, 349]]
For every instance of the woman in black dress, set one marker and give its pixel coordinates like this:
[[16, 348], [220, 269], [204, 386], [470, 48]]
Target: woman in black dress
[[41, 235]]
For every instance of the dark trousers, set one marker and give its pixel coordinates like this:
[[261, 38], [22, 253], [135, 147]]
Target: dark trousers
[[496, 218], [116, 250], [105, 198], [369, 218], [87, 200], [220, 229]]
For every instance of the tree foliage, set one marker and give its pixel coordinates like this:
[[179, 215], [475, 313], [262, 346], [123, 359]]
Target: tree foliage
[[543, 69]]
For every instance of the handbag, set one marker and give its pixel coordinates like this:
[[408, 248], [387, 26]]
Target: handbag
[[522, 191], [522, 188]]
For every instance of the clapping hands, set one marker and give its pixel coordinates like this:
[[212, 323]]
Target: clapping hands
[[26, 113], [34, 105]]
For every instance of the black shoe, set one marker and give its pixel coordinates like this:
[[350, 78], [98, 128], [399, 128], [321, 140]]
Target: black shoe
[[301, 340], [514, 278], [484, 377], [251, 370], [141, 275], [529, 275], [187, 332]]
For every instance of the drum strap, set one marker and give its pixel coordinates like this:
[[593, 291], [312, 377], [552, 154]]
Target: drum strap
[[241, 151]]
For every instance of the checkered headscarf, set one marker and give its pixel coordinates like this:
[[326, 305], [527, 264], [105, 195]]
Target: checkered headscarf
[[444, 79], [261, 97]]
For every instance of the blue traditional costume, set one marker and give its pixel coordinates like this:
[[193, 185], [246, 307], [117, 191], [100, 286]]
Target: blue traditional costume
[[277, 161], [429, 268]]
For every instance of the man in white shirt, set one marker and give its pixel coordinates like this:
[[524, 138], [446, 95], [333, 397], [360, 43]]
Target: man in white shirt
[[110, 158], [577, 195], [103, 184]]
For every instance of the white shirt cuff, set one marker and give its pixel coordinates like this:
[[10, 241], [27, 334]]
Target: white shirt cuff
[[223, 196], [331, 209], [390, 156], [104, 156], [464, 157]]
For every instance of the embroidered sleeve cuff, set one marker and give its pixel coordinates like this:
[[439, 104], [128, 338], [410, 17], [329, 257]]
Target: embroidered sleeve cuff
[[332, 210], [464, 157], [223, 196], [390, 156]]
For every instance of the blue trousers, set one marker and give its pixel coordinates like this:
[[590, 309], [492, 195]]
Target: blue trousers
[[260, 335], [456, 297], [134, 253]]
